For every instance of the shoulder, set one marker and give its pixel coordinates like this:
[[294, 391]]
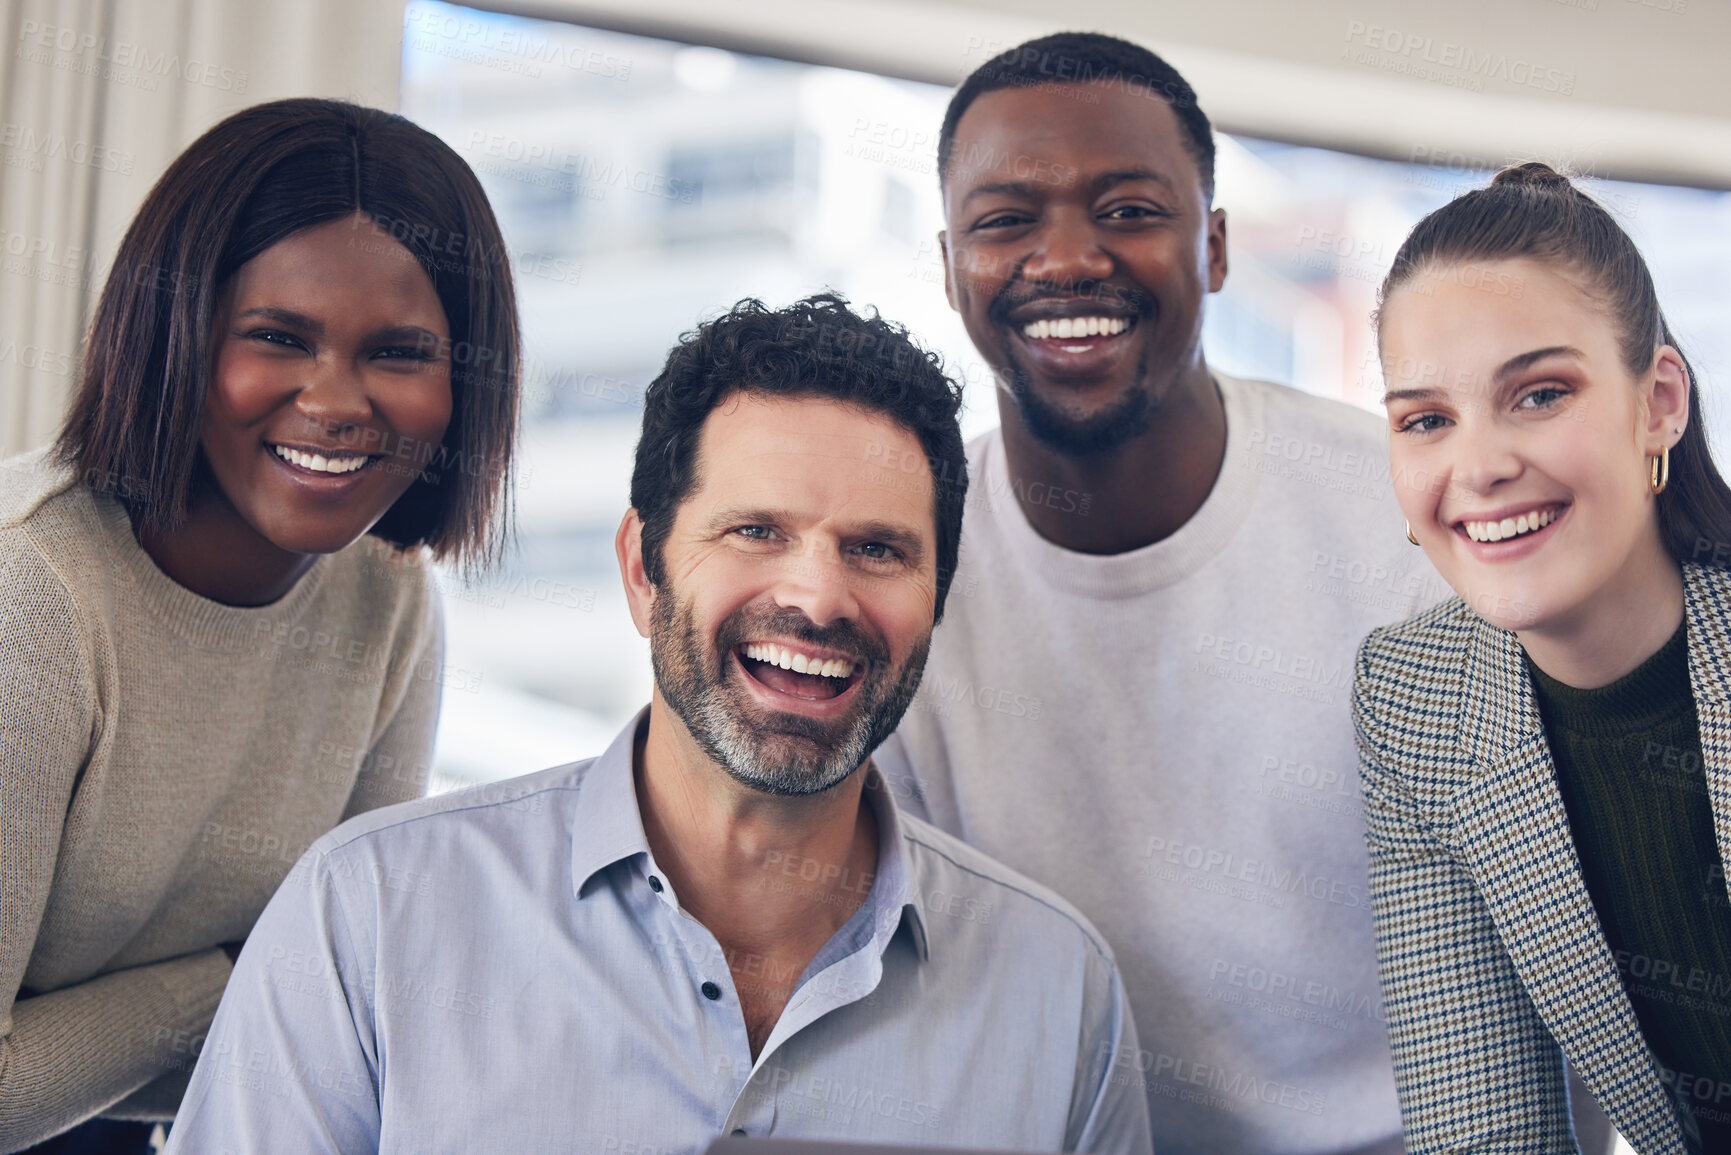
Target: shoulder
[[27, 483], [1410, 676], [389, 590], [50, 535], [1439, 635], [1289, 411], [511, 811], [959, 884]]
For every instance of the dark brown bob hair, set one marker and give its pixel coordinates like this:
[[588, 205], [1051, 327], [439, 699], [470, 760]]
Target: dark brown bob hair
[[254, 179], [1532, 211]]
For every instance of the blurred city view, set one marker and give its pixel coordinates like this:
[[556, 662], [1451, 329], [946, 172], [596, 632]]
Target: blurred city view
[[645, 185]]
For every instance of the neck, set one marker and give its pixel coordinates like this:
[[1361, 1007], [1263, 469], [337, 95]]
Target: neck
[[735, 855], [1140, 493], [1624, 623], [217, 555]]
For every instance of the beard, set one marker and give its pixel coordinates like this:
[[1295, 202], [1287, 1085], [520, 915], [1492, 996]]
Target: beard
[[1053, 426], [1068, 435], [776, 753]]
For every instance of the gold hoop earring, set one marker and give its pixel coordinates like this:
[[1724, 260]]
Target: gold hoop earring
[[1660, 476], [1409, 535]]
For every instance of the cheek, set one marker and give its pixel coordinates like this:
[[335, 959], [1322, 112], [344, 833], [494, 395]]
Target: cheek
[[1417, 477], [423, 411], [246, 389], [904, 615]]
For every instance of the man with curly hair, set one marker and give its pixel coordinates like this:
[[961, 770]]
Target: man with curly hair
[[722, 925]]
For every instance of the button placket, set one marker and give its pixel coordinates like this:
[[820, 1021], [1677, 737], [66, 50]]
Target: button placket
[[754, 1109]]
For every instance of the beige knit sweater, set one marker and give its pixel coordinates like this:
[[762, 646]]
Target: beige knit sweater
[[164, 759]]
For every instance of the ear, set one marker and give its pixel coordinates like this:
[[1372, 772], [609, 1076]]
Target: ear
[[1667, 401], [639, 591], [949, 278], [1216, 249]]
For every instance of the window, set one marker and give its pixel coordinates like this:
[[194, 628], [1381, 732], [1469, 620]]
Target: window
[[644, 185]]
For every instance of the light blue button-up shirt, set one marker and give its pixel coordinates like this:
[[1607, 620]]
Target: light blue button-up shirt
[[507, 969]]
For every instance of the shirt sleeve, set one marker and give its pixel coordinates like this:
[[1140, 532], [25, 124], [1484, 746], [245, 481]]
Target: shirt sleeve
[[291, 1062], [1475, 1067], [67, 1054], [1108, 1110], [398, 763]]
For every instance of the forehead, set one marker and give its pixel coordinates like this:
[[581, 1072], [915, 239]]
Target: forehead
[[1475, 315], [1086, 128], [813, 457], [343, 253]]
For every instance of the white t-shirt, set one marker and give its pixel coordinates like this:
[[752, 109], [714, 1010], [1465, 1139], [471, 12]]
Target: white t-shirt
[[1163, 737]]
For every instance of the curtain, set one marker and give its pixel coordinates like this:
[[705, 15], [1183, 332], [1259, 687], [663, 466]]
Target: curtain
[[96, 98]]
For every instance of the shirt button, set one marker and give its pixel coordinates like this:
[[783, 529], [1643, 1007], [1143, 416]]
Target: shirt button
[[710, 991], [655, 884]]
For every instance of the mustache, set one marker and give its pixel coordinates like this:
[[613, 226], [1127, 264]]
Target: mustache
[[786, 622], [1014, 294]]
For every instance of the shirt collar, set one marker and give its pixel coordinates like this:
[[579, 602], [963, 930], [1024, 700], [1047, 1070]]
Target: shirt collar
[[607, 827], [895, 894]]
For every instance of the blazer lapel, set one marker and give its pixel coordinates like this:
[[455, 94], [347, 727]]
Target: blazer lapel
[[1513, 833], [1707, 606]]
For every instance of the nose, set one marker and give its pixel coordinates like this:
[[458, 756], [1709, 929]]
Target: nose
[[334, 396], [1484, 459], [1068, 249], [817, 583]]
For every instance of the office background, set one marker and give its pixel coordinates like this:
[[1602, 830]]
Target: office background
[[654, 160]]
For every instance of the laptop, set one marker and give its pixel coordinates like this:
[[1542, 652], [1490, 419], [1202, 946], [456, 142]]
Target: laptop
[[745, 1145]]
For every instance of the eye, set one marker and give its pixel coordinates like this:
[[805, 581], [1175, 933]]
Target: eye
[[878, 551], [754, 532], [1131, 213], [404, 353], [1543, 397], [276, 337], [1003, 221], [1423, 423]]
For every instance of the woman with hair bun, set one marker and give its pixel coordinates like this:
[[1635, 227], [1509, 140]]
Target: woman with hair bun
[[217, 635], [1546, 758]]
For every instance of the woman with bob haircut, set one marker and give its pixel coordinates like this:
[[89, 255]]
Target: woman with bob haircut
[[1546, 758], [218, 638]]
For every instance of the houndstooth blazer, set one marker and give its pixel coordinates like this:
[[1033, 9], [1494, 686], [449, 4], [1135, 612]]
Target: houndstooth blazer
[[1493, 962]]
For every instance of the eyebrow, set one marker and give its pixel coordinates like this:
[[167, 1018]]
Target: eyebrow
[[1412, 395], [1126, 176], [1507, 369], [1097, 185], [1527, 360], [285, 317]]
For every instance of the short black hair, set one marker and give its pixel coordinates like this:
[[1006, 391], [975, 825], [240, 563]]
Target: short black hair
[[1086, 58], [816, 347], [254, 179]]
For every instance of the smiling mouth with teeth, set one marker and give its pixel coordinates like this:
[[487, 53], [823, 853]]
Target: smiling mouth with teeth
[[1510, 526], [1070, 328], [789, 671], [318, 462]]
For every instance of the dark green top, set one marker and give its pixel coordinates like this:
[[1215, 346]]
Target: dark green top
[[1629, 766]]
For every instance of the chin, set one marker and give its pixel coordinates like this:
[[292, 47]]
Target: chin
[[306, 540]]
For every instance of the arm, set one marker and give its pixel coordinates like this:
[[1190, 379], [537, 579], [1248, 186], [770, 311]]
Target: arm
[[1474, 1064], [290, 1063], [1108, 1108], [397, 764], [70, 1053]]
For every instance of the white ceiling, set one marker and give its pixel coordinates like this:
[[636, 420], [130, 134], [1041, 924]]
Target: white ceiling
[[1632, 89]]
